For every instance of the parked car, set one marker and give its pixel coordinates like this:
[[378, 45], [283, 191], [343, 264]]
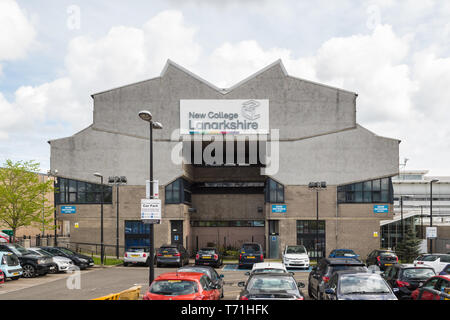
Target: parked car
[[405, 278], [80, 260], [61, 264], [250, 253], [438, 283], [136, 255], [2, 277], [382, 258], [438, 261], [271, 286], [215, 278], [445, 271], [350, 285], [10, 265], [343, 253], [32, 264], [272, 267], [172, 254], [182, 286], [209, 256], [321, 274], [4, 237], [295, 257]]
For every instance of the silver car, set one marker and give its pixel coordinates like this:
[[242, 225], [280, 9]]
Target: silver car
[[136, 255], [61, 264]]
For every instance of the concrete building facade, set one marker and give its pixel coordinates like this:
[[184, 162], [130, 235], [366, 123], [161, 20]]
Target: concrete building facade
[[311, 136]]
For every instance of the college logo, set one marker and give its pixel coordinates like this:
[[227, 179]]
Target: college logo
[[249, 110]]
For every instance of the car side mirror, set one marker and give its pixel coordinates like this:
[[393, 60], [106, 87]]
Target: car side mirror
[[300, 284], [241, 284], [329, 291]]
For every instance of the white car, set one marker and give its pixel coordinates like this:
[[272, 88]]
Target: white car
[[276, 267], [295, 257], [437, 261], [62, 264], [136, 255]]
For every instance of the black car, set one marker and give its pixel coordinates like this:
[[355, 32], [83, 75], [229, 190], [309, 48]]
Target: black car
[[32, 264], [80, 260], [172, 254], [209, 256], [250, 254], [321, 274], [405, 278], [215, 278], [350, 285], [271, 286], [382, 259]]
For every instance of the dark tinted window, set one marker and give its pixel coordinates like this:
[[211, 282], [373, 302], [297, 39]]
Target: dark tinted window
[[168, 250], [445, 258], [387, 254], [418, 273], [332, 269], [430, 258], [207, 251], [251, 248]]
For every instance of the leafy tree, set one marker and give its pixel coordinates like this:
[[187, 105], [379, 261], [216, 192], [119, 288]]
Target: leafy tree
[[409, 248], [22, 196]]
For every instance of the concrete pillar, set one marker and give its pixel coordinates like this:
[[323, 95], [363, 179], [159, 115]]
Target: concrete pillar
[[27, 243], [44, 242]]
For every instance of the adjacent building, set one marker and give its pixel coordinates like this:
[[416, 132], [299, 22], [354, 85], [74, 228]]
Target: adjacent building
[[233, 165]]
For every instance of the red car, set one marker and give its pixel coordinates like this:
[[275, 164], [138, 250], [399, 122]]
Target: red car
[[182, 286], [2, 277], [439, 283]]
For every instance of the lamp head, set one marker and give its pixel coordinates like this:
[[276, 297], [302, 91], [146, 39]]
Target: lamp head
[[145, 115], [157, 125], [98, 174]]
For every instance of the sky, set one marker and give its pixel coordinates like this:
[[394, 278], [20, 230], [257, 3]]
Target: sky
[[395, 54]]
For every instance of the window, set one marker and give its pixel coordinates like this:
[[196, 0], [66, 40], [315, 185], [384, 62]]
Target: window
[[373, 191], [307, 232], [136, 234], [274, 191], [69, 191], [179, 191], [233, 223]]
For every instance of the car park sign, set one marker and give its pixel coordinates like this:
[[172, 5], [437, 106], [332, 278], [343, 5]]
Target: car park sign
[[151, 210]]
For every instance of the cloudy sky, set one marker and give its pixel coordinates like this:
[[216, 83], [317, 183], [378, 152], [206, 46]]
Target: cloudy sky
[[394, 54]]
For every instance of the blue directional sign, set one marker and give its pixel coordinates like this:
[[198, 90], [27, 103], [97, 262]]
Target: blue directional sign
[[381, 208], [279, 208], [68, 209]]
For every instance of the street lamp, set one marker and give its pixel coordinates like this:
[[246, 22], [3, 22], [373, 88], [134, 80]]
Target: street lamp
[[147, 116], [53, 174], [117, 181], [318, 186], [101, 219], [431, 210]]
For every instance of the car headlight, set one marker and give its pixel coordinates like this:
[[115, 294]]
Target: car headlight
[[41, 261]]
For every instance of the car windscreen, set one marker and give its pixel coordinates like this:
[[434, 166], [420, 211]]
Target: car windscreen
[[11, 260], [67, 251], [344, 253], [387, 254], [19, 250], [174, 287], [296, 249], [268, 270], [207, 251], [250, 248], [367, 284], [137, 249], [360, 268], [418, 273], [267, 284]]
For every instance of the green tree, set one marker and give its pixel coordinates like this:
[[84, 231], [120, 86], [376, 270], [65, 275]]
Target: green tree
[[409, 248], [22, 196]]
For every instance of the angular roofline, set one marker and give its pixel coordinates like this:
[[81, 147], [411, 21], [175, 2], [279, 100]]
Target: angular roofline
[[225, 90]]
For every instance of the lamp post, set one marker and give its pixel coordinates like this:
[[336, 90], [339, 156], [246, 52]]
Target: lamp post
[[116, 181], [317, 186], [101, 219], [53, 174], [147, 116], [431, 210]]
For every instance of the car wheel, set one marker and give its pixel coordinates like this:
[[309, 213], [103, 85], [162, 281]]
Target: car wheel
[[125, 264], [28, 271], [55, 270]]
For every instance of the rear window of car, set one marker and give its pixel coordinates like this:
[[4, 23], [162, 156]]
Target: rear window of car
[[11, 260], [250, 248], [332, 269], [387, 254], [168, 250], [174, 287], [419, 273], [137, 250], [207, 251], [344, 253]]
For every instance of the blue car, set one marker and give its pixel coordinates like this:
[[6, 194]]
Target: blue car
[[10, 265], [343, 253], [346, 285]]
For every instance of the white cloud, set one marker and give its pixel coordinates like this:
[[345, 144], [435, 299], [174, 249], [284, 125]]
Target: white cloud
[[17, 33]]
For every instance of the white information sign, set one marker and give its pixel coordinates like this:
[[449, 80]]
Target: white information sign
[[431, 232], [150, 209], [224, 116]]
